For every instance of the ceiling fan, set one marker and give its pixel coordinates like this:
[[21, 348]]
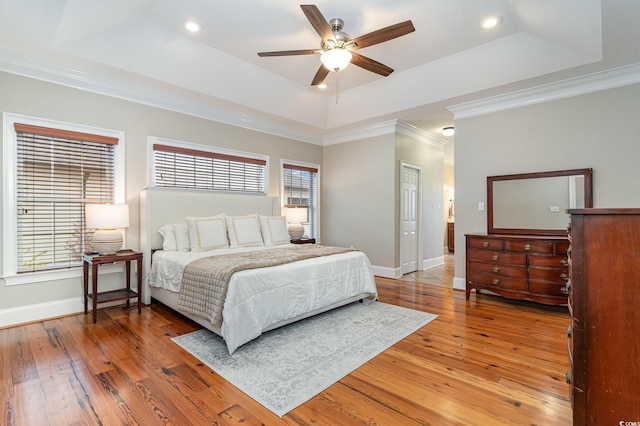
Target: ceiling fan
[[337, 47]]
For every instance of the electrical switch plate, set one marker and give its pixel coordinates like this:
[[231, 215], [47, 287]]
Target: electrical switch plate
[[480, 205], [554, 209]]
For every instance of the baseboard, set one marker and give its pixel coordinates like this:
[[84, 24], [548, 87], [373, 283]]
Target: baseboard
[[382, 271], [433, 262], [459, 283], [40, 311]]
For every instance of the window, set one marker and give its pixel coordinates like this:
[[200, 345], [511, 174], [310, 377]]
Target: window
[[185, 167], [53, 170], [301, 189]]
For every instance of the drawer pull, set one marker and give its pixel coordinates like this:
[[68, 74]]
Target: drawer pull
[[495, 256], [567, 377], [527, 247], [564, 276], [485, 244], [566, 289], [569, 331], [496, 269], [495, 281], [564, 262]]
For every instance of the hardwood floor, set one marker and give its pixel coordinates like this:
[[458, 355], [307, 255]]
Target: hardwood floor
[[483, 362]]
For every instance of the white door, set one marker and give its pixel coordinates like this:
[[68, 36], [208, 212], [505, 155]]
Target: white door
[[409, 226]]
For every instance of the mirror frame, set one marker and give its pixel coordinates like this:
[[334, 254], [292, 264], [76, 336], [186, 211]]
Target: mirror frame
[[588, 199]]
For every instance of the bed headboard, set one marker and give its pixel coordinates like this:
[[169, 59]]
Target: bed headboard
[[162, 206]]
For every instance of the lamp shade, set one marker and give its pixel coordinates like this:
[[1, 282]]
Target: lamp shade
[[297, 214], [336, 59], [106, 216]]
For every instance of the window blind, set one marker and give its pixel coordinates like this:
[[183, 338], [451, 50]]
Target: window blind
[[301, 189], [57, 173], [178, 167]]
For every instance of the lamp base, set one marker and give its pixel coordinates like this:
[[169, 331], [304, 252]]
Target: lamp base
[[106, 241], [296, 231]]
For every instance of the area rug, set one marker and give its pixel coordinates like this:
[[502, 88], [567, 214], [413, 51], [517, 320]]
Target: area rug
[[285, 367]]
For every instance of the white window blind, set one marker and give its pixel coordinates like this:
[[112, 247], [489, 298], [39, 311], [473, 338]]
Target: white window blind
[[57, 173], [178, 167], [301, 189]]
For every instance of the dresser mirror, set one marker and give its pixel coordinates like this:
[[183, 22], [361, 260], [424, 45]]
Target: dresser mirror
[[536, 203]]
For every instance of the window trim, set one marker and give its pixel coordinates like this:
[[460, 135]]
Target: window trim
[[310, 167], [9, 216], [171, 145]]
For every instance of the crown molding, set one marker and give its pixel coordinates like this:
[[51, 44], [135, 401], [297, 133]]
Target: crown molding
[[609, 79], [384, 128], [15, 63]]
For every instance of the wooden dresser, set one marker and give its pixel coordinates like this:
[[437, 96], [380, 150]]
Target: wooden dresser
[[518, 266], [604, 303]]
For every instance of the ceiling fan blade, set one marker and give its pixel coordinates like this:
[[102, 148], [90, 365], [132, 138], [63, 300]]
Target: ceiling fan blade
[[317, 21], [320, 75], [383, 34], [370, 65], [290, 52]]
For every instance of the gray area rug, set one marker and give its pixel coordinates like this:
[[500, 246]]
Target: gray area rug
[[285, 367]]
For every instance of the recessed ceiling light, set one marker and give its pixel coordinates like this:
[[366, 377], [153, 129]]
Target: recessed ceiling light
[[491, 22], [322, 86], [192, 26]]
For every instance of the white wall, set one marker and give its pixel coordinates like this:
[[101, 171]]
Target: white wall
[[599, 130]]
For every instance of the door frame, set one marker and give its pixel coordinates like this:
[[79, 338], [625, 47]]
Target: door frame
[[419, 227]]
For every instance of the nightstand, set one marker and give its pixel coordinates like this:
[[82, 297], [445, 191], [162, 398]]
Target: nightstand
[[94, 260], [304, 241]]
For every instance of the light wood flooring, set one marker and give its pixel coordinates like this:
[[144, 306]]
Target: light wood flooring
[[487, 361]]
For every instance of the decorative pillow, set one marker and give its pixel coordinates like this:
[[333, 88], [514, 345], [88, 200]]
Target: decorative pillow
[[168, 238], [207, 233], [181, 230], [274, 230], [244, 231]]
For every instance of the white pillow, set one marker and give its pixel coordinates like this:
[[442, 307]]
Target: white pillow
[[274, 230], [244, 231], [207, 233], [181, 230], [168, 238]]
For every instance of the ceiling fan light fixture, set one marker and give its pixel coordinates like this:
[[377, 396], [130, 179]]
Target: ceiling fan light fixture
[[336, 59]]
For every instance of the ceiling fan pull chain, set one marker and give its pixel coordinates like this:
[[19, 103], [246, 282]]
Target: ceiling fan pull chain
[[337, 87]]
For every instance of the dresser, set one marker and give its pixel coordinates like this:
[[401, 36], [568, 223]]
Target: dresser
[[518, 266], [604, 305]]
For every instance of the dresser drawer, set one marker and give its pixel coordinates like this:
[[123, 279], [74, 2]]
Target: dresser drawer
[[549, 261], [560, 276], [515, 259], [492, 280], [485, 243], [498, 270], [524, 246], [561, 247], [546, 288]]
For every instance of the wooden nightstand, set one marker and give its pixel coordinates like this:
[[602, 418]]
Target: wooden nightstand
[[94, 260], [304, 241]]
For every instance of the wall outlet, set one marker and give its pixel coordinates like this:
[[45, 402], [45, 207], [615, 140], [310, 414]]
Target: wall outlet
[[554, 209], [481, 205]]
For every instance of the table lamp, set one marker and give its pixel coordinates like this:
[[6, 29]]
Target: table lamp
[[105, 218], [296, 216]]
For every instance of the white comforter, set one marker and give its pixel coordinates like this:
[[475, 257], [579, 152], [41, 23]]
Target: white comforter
[[258, 299]]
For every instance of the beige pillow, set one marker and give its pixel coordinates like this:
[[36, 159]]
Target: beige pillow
[[244, 231], [207, 233], [274, 230]]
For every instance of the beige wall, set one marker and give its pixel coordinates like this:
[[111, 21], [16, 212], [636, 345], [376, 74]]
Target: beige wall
[[598, 130], [361, 197], [358, 198], [31, 97]]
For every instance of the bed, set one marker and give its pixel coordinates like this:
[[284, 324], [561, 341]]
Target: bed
[[257, 299]]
